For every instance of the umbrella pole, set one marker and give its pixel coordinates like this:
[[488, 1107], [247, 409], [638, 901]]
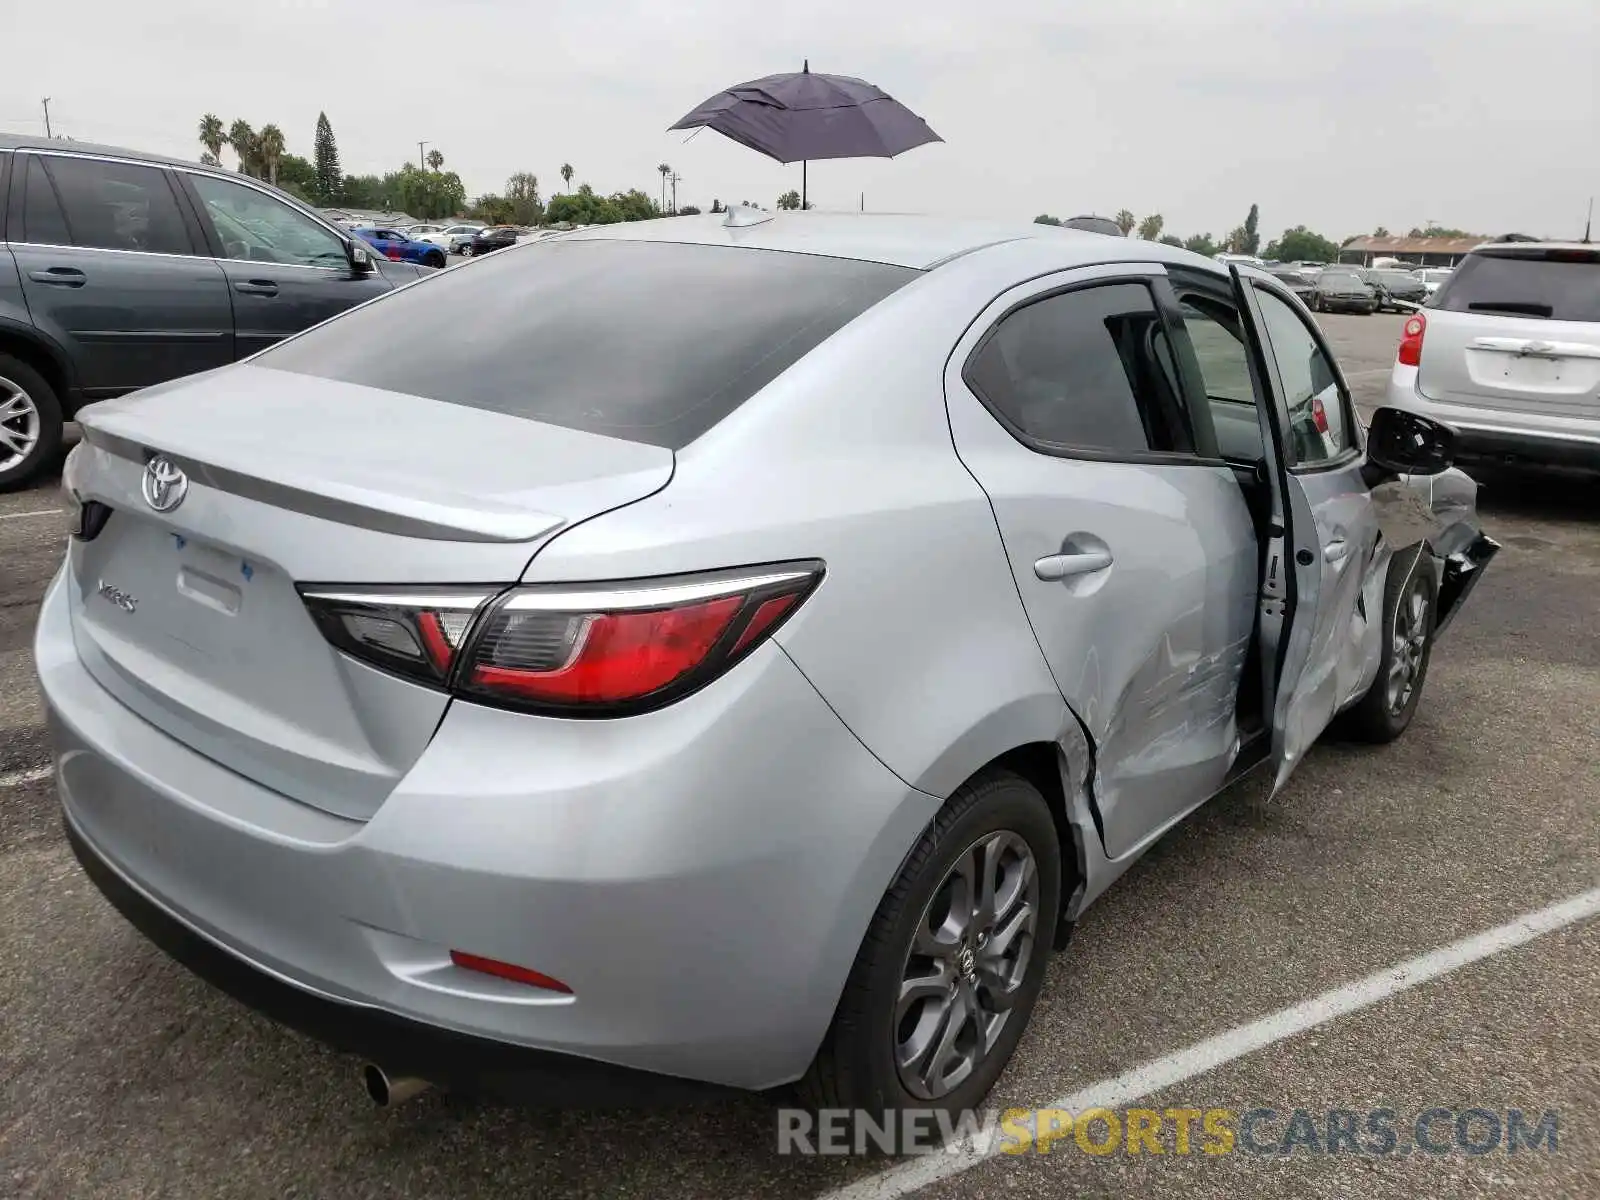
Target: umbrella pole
[[802, 185]]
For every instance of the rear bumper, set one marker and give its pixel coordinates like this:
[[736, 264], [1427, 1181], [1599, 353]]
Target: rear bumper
[[1487, 434], [700, 876]]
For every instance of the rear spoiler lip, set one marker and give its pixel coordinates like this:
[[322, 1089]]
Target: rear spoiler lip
[[346, 504]]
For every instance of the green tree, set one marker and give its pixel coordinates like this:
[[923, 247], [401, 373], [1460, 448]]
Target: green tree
[[1235, 242], [363, 191], [243, 140], [298, 177], [435, 160], [495, 210], [1150, 227], [689, 210], [207, 159], [1439, 231], [1252, 233], [1168, 240], [1201, 243], [789, 200], [1380, 231], [566, 174], [665, 171], [585, 207], [212, 136], [270, 147], [1046, 219], [424, 193], [1125, 221], [326, 154], [522, 190], [1301, 245]]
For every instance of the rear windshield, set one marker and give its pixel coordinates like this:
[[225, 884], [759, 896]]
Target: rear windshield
[[649, 341], [1557, 285]]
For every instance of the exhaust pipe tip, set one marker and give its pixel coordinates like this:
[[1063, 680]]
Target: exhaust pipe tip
[[387, 1090]]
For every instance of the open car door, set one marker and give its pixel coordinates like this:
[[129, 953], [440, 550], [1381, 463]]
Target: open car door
[[1321, 589]]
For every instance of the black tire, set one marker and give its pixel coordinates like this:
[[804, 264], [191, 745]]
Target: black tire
[[855, 1066], [47, 405], [1376, 717], [434, 258]]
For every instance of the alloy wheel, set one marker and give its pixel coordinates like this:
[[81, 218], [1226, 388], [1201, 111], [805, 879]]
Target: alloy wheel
[[1409, 645], [965, 969], [20, 424]]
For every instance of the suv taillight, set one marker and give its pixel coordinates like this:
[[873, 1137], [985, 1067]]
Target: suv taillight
[[1411, 335], [573, 649]]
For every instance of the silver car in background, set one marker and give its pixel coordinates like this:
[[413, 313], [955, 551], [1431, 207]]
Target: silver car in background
[[739, 657], [1508, 352]]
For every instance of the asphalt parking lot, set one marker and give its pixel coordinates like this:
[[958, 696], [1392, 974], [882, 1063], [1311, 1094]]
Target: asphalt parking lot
[[122, 1076]]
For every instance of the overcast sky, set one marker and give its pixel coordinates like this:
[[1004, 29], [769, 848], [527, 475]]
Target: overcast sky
[[1339, 114]]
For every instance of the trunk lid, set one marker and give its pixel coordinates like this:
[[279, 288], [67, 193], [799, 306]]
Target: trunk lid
[[191, 617], [1517, 329]]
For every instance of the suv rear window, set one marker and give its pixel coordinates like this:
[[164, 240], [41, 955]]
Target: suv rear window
[[1553, 285], [648, 341]]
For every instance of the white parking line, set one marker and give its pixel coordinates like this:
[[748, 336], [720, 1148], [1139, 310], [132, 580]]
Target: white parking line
[[1203, 1056], [38, 512], [18, 778]]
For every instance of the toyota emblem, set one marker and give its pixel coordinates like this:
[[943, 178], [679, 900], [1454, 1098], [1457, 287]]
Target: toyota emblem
[[165, 484]]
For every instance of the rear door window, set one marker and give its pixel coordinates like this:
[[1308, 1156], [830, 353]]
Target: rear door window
[[649, 341], [1556, 285], [1084, 370], [115, 206]]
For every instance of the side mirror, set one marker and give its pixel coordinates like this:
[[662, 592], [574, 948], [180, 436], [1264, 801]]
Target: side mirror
[[1407, 443], [360, 257]]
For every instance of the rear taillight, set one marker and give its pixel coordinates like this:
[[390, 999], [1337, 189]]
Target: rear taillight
[[573, 649], [416, 634], [1411, 335]]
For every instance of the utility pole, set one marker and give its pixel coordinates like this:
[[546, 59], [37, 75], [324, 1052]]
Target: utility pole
[[675, 178], [47, 132], [422, 164]]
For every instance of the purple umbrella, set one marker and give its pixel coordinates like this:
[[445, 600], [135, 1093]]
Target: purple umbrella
[[800, 116]]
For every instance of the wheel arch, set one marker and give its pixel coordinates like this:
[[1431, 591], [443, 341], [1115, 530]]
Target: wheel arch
[[24, 343]]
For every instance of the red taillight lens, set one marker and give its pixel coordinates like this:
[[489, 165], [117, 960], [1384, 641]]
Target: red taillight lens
[[505, 970], [581, 650], [1411, 336], [624, 649]]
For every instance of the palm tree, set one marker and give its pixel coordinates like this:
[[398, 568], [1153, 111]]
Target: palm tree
[[212, 135], [435, 160], [270, 146], [243, 140], [566, 174], [1125, 221], [665, 171]]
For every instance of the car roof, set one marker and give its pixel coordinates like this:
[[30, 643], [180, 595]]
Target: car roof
[[900, 240], [1512, 249], [15, 141]]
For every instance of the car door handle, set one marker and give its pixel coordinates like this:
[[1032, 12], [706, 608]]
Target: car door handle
[[1335, 550], [60, 277], [1062, 566], [256, 287]]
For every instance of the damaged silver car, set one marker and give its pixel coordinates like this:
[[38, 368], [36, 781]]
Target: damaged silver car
[[741, 660]]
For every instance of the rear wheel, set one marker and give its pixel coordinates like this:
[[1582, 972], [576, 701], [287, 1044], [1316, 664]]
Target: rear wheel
[[953, 961], [30, 422], [1410, 598], [433, 258]]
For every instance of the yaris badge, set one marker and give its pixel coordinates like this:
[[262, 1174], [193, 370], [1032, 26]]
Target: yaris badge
[[165, 485]]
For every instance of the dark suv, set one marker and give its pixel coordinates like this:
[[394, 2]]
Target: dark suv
[[119, 270]]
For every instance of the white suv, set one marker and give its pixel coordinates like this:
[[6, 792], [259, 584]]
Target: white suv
[[1508, 352]]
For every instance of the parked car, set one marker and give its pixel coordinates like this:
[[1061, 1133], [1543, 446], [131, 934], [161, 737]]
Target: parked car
[[418, 233], [1433, 278], [120, 269], [1508, 351], [464, 757], [497, 237], [397, 247], [1399, 290], [1295, 280], [1341, 289], [452, 237]]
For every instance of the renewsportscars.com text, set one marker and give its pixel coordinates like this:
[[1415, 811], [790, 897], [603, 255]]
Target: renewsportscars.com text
[[1381, 1132]]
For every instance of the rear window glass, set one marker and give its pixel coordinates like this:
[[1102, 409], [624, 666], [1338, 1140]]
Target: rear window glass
[[648, 341], [1564, 288]]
